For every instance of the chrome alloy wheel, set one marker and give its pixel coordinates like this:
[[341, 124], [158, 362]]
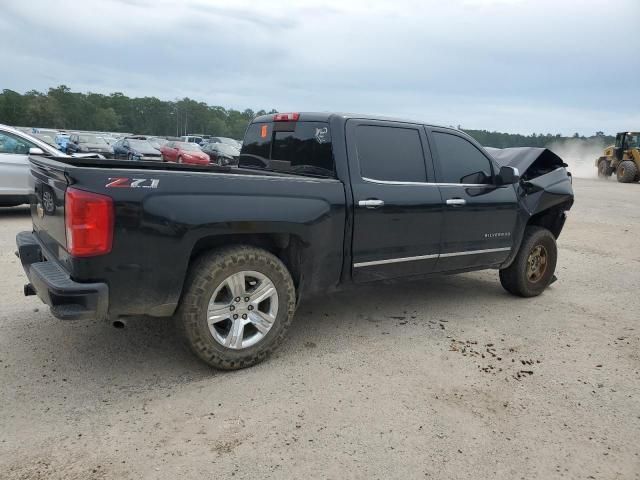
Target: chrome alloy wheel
[[242, 310], [537, 263]]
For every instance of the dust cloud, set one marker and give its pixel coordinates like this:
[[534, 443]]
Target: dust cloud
[[580, 154]]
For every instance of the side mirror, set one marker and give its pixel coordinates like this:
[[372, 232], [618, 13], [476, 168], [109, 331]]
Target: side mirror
[[508, 175], [36, 151]]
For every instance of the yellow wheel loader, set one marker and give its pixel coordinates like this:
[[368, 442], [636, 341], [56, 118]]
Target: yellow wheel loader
[[622, 158]]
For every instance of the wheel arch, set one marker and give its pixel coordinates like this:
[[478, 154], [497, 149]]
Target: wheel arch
[[286, 246], [552, 218]]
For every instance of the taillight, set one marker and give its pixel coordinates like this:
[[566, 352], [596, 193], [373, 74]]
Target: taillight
[[88, 219], [286, 117]]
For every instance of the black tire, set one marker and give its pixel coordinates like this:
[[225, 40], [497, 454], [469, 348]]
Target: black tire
[[626, 171], [206, 275], [517, 278], [604, 168]]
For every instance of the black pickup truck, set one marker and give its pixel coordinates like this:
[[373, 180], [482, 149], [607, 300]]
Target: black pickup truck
[[318, 201]]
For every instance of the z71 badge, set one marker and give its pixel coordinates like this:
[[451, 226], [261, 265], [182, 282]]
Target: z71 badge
[[123, 182]]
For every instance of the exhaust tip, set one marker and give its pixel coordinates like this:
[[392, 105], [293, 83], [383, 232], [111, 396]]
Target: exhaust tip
[[119, 324]]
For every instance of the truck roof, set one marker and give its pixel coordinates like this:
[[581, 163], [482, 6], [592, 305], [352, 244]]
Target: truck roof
[[325, 116]]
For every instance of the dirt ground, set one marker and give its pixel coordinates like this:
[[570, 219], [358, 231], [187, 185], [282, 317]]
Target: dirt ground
[[445, 378]]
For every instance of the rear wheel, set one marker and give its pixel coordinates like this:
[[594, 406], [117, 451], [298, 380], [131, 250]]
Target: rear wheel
[[626, 171], [237, 307], [604, 168], [533, 268]]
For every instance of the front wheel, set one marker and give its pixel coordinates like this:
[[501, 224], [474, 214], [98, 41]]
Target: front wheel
[[626, 172], [237, 306], [533, 268]]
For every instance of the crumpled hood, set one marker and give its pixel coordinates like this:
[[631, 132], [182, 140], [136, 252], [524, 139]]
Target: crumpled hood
[[545, 181], [531, 162]]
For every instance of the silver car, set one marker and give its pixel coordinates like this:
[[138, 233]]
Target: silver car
[[15, 147]]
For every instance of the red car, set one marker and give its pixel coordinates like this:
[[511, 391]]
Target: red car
[[183, 152]]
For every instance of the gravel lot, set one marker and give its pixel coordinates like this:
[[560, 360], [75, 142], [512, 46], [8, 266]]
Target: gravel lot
[[445, 378]]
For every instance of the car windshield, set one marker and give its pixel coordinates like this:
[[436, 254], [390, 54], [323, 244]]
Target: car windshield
[[45, 138], [227, 141], [158, 142], [226, 149], [140, 144], [91, 139], [188, 147]]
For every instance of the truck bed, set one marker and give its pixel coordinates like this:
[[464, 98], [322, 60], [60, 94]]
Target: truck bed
[[165, 214]]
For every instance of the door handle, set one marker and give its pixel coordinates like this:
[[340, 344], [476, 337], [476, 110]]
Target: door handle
[[372, 203], [456, 202]]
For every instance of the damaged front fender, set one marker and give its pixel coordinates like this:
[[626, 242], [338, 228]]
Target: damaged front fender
[[544, 179], [545, 190]]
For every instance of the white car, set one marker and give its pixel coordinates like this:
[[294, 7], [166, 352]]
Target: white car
[[15, 147]]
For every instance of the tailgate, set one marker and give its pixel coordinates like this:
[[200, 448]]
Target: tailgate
[[47, 208]]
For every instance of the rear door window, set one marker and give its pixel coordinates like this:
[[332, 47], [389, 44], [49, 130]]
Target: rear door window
[[390, 153], [295, 147]]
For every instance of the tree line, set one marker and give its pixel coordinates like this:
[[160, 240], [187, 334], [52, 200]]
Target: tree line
[[60, 108]]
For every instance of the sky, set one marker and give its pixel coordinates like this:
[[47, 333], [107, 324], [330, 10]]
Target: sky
[[520, 66]]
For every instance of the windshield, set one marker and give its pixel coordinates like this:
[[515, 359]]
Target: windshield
[[91, 139], [226, 141], [224, 148], [140, 144], [633, 140], [188, 147], [158, 142]]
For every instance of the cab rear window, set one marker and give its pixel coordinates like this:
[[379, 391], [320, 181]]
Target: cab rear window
[[294, 147]]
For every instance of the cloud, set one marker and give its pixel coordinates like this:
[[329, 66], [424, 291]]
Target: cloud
[[509, 65]]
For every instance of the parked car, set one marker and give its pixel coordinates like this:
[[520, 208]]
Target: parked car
[[183, 152], [318, 202], [134, 149], [85, 142], [14, 164], [192, 139], [61, 141], [221, 153]]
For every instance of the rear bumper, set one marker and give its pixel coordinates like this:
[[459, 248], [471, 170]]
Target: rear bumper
[[12, 200], [68, 300]]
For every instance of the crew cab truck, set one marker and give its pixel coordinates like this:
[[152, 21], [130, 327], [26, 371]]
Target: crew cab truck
[[318, 201]]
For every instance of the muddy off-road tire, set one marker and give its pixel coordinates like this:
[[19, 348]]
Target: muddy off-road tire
[[626, 172], [237, 307], [532, 269], [604, 169]]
